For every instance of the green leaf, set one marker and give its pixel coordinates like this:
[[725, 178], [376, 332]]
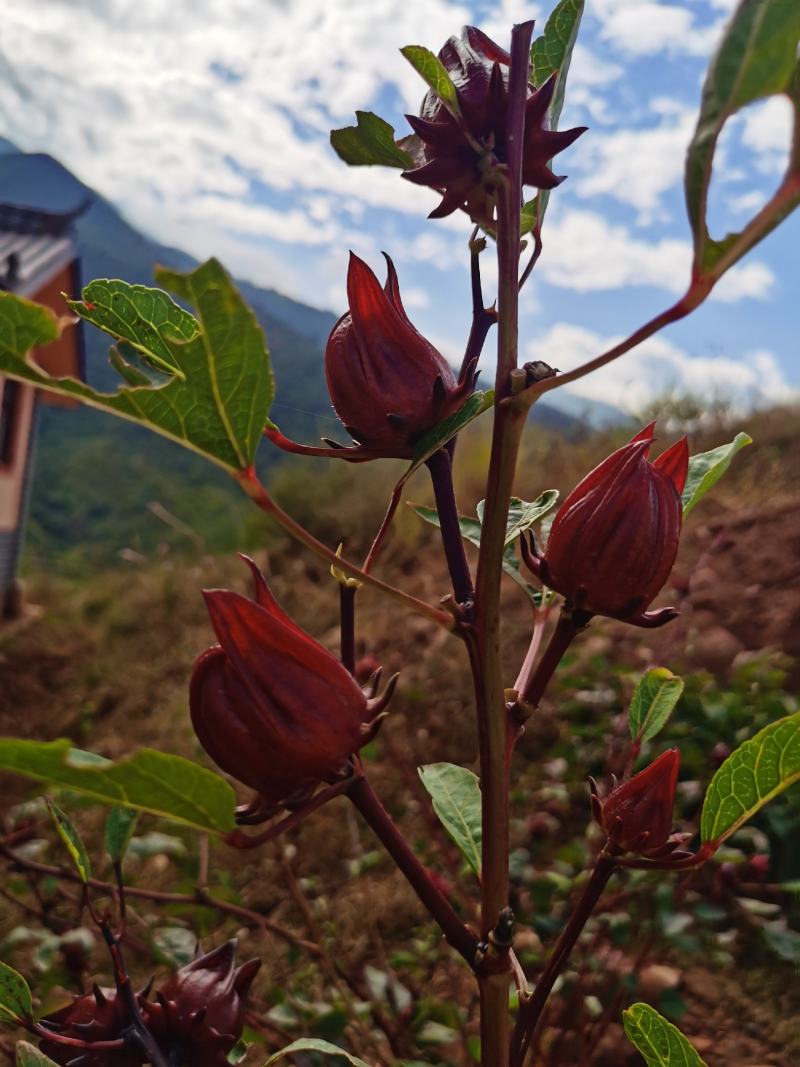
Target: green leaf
[[756, 58], [25, 325], [433, 440], [370, 143], [234, 353], [16, 1004], [470, 528], [120, 824], [522, 514], [471, 531], [217, 399], [433, 71], [72, 839], [654, 698], [30, 1056], [177, 945], [165, 785], [312, 1044], [783, 941], [757, 771], [456, 796], [550, 53], [660, 1043], [706, 469], [238, 1052], [144, 318]]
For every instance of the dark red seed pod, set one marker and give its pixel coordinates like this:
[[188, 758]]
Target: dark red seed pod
[[200, 1009], [455, 154], [96, 1016], [614, 539], [269, 704], [196, 1017], [637, 815], [387, 383]]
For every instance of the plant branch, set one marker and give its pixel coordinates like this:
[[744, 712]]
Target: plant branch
[[531, 689], [138, 1032], [540, 617], [536, 235], [526, 397], [200, 896], [441, 472], [239, 839], [383, 529], [483, 318], [457, 933], [248, 479], [784, 201], [484, 639], [530, 1009]]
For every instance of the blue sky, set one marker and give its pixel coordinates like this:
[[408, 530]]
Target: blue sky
[[207, 124]]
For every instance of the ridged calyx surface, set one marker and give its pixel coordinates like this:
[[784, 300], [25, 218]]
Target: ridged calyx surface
[[269, 704], [614, 540], [387, 383], [456, 154]]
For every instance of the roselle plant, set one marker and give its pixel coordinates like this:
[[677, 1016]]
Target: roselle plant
[[283, 717]]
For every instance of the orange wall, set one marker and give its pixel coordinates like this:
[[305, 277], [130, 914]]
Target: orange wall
[[12, 476], [62, 358]]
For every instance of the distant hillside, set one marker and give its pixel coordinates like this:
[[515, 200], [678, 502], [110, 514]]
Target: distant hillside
[[95, 474]]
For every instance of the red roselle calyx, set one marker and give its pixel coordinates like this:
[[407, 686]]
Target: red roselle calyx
[[637, 815], [615, 537], [196, 1017], [270, 705], [388, 385], [97, 1016], [457, 154], [201, 1008]]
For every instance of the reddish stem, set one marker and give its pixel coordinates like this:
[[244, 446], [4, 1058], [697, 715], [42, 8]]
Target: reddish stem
[[530, 1010], [562, 637], [458, 934], [441, 471]]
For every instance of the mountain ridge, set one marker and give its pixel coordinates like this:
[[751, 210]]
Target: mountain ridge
[[130, 466]]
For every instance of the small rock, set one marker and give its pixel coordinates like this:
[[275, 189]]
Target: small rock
[[703, 585], [703, 1044], [656, 978], [715, 648], [527, 940]]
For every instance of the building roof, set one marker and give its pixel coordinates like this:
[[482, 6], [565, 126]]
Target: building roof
[[38, 251], [34, 245]]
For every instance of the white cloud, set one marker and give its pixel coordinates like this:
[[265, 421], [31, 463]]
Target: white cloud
[[767, 132], [746, 203], [657, 367], [636, 167], [586, 253], [648, 27], [172, 109], [750, 279]]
